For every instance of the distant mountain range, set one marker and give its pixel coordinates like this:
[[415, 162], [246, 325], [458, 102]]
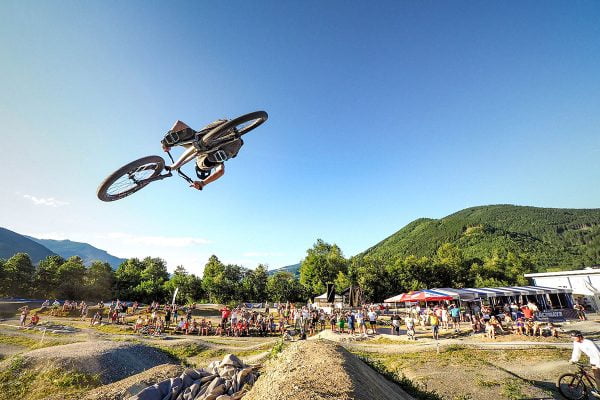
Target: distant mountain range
[[554, 238], [12, 243], [293, 269], [38, 249], [87, 252]]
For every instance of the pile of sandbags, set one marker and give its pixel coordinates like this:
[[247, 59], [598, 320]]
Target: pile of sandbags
[[229, 379]]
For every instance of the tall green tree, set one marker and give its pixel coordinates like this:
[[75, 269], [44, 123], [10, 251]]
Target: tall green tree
[[71, 279], [254, 284], [212, 270], [322, 264], [46, 276], [127, 277], [190, 286], [99, 280], [283, 286], [19, 275]]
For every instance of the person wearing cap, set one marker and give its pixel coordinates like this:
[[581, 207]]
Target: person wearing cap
[[581, 345]]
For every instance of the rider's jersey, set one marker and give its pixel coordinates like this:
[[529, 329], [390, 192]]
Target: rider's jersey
[[589, 348]]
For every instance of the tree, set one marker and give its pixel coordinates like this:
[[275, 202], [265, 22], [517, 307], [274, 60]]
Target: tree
[[190, 286], [322, 264], [19, 275], [212, 270], [127, 276], [254, 284], [373, 278], [71, 279], [99, 280], [46, 276], [283, 286]]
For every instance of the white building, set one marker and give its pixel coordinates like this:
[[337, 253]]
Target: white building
[[585, 284]]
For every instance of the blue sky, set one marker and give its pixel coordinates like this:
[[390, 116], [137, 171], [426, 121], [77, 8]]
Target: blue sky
[[380, 113]]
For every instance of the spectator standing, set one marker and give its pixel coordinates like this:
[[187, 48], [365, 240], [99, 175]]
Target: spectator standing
[[372, 315], [455, 314]]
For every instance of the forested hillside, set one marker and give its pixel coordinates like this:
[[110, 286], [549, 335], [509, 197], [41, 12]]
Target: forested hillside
[[552, 238]]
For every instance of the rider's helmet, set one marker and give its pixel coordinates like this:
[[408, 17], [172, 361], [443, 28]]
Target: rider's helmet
[[576, 334]]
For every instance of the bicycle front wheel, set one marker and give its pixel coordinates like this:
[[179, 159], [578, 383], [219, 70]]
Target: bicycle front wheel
[[234, 128], [572, 386], [130, 178]]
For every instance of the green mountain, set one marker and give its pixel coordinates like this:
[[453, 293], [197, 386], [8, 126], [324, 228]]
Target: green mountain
[[87, 252], [294, 269], [553, 237], [12, 243]]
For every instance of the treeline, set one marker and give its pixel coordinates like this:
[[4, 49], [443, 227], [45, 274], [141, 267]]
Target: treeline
[[148, 280], [382, 277], [142, 280]]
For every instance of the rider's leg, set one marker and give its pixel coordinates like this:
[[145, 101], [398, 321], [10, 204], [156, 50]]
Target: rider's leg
[[596, 372]]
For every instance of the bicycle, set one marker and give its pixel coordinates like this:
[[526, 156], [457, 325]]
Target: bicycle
[[578, 385], [139, 173]]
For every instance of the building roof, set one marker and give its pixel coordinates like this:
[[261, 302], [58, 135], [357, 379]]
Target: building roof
[[588, 271]]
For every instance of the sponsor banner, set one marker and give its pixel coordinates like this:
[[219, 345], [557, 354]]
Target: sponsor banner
[[559, 315]]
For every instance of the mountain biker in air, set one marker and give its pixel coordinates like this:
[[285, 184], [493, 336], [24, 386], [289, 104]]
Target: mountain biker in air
[[581, 345], [209, 168]]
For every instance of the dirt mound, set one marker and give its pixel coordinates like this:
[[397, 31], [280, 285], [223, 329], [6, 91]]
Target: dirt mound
[[315, 370], [112, 361], [134, 384]]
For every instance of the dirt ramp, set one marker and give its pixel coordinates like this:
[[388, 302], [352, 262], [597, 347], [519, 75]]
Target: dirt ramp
[[112, 361], [315, 370]]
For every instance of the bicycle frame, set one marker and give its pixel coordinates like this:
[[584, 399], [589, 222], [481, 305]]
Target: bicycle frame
[[192, 149]]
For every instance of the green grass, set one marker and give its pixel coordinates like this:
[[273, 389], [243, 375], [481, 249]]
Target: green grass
[[20, 381], [182, 353], [414, 389], [26, 342], [513, 389]]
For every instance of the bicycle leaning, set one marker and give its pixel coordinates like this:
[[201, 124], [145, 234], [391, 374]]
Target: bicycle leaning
[[577, 385]]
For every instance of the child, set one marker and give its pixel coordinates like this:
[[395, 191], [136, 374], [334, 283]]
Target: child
[[490, 330], [410, 328]]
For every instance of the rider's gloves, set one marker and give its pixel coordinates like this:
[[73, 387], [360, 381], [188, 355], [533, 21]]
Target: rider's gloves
[[198, 185]]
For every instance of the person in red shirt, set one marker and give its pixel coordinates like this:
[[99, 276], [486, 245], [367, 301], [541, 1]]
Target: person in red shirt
[[225, 312], [527, 312]]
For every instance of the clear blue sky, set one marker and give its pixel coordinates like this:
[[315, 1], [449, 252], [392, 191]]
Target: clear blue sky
[[380, 113]]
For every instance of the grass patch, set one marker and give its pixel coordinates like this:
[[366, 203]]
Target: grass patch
[[412, 388], [513, 389], [18, 381], [26, 342], [114, 329], [182, 353], [277, 348]]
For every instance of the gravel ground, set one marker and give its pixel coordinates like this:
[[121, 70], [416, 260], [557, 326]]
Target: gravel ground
[[113, 361], [315, 370]]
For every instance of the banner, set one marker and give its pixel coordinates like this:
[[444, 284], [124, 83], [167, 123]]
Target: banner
[[175, 295]]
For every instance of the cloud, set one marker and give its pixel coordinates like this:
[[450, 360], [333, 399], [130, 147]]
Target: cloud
[[160, 241], [48, 201], [262, 254]]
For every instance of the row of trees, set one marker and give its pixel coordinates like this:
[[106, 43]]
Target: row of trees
[[148, 279], [143, 280], [380, 277]]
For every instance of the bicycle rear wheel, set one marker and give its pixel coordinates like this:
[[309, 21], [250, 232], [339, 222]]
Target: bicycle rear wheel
[[130, 178], [572, 386], [234, 128]]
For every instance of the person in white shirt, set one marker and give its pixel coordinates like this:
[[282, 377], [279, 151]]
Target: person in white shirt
[[581, 345], [373, 321]]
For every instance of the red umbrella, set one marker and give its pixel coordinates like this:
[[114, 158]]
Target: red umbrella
[[399, 298]]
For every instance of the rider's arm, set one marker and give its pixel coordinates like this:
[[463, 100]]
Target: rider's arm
[[219, 172]]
